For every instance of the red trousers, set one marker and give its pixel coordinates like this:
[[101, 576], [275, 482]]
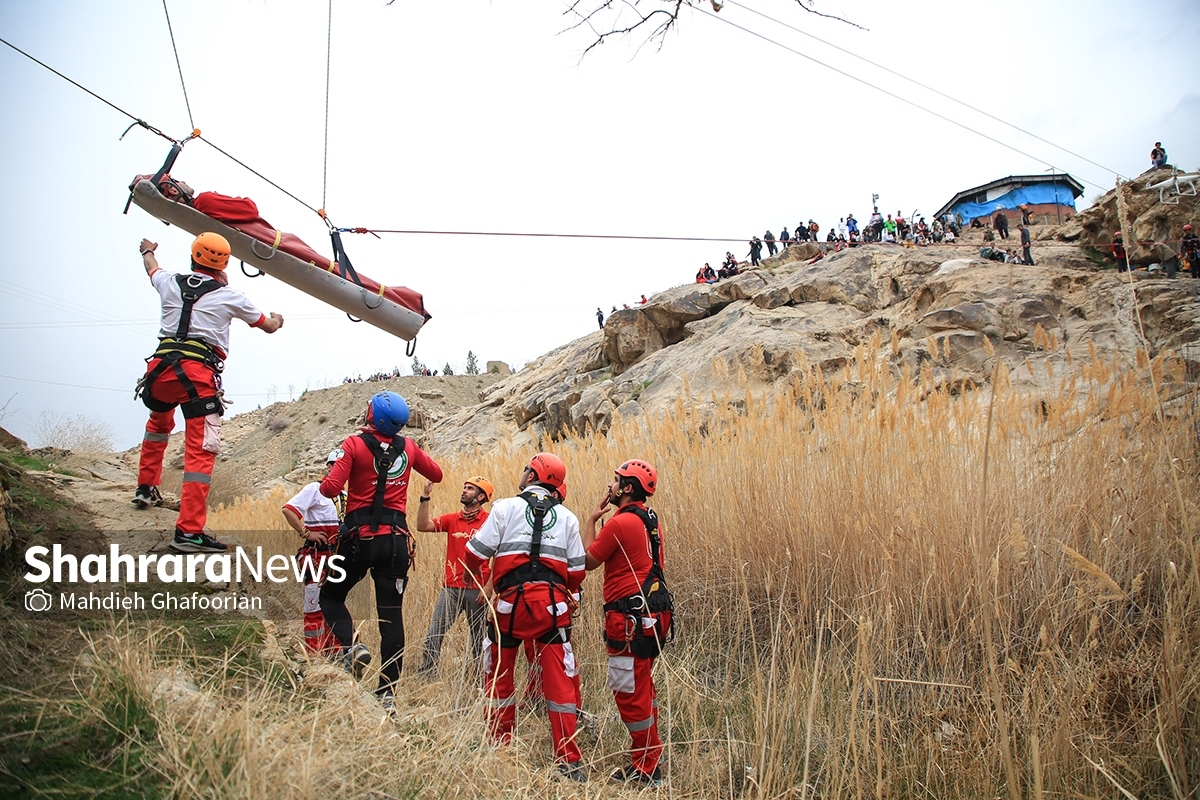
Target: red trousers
[[197, 462], [558, 670], [534, 691], [632, 684], [318, 637]]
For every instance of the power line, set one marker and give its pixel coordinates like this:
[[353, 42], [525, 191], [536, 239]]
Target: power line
[[179, 66], [891, 94], [69, 385], [110, 389], [915, 82]]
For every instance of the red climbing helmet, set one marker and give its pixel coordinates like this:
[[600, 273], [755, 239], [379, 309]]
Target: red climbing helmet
[[548, 469], [642, 472], [1187, 227]]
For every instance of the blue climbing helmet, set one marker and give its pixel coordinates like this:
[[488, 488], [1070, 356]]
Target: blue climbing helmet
[[387, 413]]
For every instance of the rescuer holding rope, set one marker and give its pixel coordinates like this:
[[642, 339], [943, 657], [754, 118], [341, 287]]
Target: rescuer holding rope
[[185, 371], [376, 464]]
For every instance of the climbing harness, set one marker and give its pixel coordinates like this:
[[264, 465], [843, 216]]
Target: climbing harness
[[172, 351], [653, 602], [513, 583]]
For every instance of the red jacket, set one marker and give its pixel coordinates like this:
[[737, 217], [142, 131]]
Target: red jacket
[[357, 467]]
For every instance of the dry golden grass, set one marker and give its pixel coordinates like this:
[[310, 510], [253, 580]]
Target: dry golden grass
[[862, 614]]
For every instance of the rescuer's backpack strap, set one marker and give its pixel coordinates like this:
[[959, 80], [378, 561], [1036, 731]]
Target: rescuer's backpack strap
[[534, 571], [376, 515], [191, 288]]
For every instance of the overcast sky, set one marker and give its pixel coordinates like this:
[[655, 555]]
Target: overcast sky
[[481, 116]]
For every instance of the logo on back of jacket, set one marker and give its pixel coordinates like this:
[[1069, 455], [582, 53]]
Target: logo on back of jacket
[[399, 467], [548, 522]]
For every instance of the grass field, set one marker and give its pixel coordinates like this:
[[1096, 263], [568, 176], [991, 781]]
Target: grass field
[[887, 588]]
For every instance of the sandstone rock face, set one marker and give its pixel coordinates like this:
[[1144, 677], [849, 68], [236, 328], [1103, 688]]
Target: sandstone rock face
[[1156, 226], [940, 308]]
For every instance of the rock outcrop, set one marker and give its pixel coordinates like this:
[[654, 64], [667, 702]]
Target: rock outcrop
[[1156, 225], [934, 307]]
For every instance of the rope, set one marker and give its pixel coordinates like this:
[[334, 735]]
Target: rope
[[893, 95], [179, 66], [247, 167], [924, 86], [136, 120], [328, 51], [558, 235]]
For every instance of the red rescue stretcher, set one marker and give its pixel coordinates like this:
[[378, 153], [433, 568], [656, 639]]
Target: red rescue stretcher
[[396, 309]]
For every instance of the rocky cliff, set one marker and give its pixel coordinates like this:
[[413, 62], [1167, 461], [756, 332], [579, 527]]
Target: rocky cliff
[[939, 308]]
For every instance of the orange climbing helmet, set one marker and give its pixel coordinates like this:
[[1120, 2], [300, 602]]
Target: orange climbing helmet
[[641, 471], [211, 250], [548, 469], [483, 485]]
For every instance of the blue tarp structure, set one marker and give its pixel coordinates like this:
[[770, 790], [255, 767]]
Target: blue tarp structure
[[1036, 194]]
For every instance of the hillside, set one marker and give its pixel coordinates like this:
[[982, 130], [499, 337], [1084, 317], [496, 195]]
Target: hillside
[[937, 308], [876, 593]]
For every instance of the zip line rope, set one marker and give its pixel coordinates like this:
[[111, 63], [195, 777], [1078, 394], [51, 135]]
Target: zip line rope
[[136, 120], [328, 52], [891, 94], [915, 82], [179, 66]]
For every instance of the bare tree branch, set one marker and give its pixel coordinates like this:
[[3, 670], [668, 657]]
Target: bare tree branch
[[658, 21], [808, 7], [4, 412]]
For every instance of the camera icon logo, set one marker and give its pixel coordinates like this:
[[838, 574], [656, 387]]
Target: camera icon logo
[[38, 600]]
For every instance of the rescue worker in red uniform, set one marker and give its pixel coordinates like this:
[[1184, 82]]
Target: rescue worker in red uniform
[[623, 546], [316, 518], [460, 592], [375, 468], [537, 563], [185, 371]]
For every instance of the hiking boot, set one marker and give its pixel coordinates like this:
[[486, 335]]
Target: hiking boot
[[355, 659], [146, 496], [196, 543], [631, 776], [572, 771], [386, 699]]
